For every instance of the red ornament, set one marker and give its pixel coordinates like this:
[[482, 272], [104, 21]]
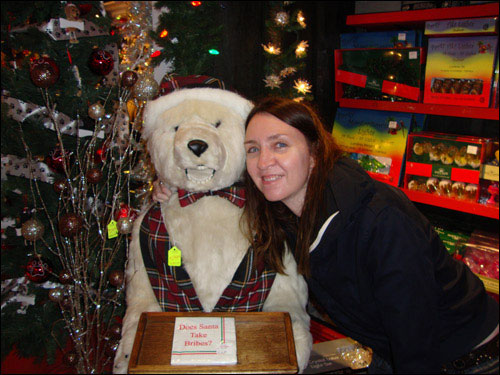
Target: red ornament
[[38, 270], [56, 160], [129, 78], [116, 278], [101, 62], [70, 225], [44, 72], [124, 211], [94, 175]]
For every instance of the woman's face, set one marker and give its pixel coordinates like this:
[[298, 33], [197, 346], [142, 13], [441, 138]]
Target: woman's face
[[279, 160]]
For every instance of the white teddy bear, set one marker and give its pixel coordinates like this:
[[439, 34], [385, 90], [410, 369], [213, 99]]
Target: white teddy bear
[[195, 139]]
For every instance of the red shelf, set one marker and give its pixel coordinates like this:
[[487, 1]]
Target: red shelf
[[412, 17], [452, 204], [430, 109]]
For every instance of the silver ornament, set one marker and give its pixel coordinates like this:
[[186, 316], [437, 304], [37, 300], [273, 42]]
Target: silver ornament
[[32, 230], [145, 88], [96, 111], [125, 225]]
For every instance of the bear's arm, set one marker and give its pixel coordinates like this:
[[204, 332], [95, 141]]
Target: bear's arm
[[289, 293]]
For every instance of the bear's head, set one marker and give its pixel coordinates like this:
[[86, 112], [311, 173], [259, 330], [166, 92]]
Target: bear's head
[[195, 137]]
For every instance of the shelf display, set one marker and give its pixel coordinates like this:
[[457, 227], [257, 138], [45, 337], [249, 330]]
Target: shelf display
[[459, 70], [375, 139], [381, 39], [486, 25], [389, 74]]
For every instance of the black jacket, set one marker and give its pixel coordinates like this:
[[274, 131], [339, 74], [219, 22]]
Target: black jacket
[[385, 278]]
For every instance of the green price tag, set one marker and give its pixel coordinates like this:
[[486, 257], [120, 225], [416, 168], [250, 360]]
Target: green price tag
[[174, 257], [112, 229]]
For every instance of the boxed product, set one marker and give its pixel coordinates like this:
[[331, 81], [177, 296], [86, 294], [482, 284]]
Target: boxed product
[[461, 26], [489, 181], [381, 39], [480, 253], [445, 165], [459, 70], [379, 73], [376, 139]]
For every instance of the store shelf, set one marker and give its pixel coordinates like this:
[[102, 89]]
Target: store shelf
[[430, 109], [453, 204], [418, 17]]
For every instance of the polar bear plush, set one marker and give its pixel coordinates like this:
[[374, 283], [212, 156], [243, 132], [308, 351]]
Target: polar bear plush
[[195, 139]]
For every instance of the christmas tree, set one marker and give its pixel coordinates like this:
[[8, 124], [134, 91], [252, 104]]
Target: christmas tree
[[74, 174]]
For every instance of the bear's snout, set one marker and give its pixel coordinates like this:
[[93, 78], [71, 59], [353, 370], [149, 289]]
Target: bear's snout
[[197, 146]]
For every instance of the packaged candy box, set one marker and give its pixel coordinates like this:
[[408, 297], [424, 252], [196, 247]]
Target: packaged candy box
[[459, 70], [489, 181], [381, 39], [461, 26], [445, 165], [389, 74], [480, 253]]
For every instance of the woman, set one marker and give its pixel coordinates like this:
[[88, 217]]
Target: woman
[[371, 259]]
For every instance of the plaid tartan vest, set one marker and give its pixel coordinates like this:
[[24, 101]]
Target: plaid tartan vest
[[173, 288]]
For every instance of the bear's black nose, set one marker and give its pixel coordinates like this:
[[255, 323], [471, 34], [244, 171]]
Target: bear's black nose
[[197, 146]]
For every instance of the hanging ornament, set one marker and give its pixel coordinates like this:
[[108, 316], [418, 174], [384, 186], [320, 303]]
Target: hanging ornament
[[100, 154], [94, 175], [101, 62], [116, 278], [132, 109], [129, 78], [70, 358], [32, 230], [111, 348], [70, 225], [125, 225], [38, 270], [44, 72], [56, 295], [146, 87], [96, 111], [115, 331], [65, 277], [60, 185]]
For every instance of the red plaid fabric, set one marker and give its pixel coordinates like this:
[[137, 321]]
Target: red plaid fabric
[[172, 82], [234, 194], [173, 288]]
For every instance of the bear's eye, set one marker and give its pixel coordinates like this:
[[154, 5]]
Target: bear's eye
[[176, 128], [217, 124]]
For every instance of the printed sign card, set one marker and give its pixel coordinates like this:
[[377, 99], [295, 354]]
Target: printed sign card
[[204, 341]]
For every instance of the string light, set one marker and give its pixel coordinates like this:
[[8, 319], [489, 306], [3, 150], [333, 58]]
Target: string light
[[164, 33], [196, 3], [213, 51]]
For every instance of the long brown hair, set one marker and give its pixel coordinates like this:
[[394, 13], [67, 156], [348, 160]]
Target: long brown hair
[[268, 222]]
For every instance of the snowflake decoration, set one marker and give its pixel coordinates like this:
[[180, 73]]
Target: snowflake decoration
[[271, 49], [302, 86], [287, 71], [301, 49], [301, 19], [273, 81], [281, 18]]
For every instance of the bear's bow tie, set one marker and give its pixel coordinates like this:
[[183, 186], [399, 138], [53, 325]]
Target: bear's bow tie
[[234, 194]]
